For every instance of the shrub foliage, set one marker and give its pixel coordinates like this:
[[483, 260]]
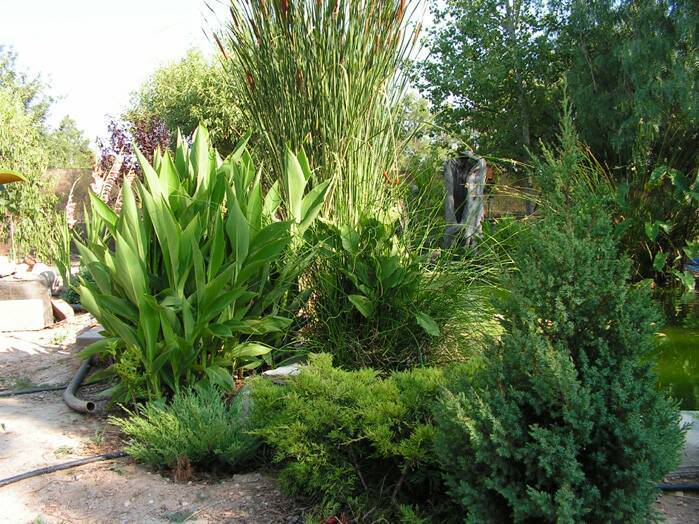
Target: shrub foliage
[[352, 440], [379, 302], [563, 421], [197, 428]]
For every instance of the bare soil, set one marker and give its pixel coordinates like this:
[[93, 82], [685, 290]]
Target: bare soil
[[39, 430]]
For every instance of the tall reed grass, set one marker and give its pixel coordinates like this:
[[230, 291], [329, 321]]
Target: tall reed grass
[[325, 76]]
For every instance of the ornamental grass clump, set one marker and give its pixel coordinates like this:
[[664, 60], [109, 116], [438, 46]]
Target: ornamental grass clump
[[191, 278], [325, 76], [563, 420]]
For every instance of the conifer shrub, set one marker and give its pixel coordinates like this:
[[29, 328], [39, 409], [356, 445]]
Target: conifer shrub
[[351, 441], [198, 429], [563, 421]]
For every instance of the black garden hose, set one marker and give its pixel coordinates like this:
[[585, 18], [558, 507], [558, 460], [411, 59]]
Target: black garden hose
[[59, 467], [687, 486], [39, 389], [73, 402]]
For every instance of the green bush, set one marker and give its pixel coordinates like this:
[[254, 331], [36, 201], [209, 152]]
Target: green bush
[[186, 93], [190, 286], [383, 299], [563, 421], [28, 219], [352, 440], [197, 428]]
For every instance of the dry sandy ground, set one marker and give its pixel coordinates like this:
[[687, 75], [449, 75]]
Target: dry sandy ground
[[39, 430]]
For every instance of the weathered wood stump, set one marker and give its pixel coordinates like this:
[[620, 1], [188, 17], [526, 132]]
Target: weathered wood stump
[[464, 182]]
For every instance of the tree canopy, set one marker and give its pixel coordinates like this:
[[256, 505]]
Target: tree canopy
[[184, 94]]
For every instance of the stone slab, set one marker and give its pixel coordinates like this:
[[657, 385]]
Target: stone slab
[[62, 310], [89, 336], [25, 305]]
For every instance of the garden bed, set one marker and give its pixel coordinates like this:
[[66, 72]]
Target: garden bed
[[40, 430]]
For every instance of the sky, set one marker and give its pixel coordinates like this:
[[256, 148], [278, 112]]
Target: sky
[[95, 53]]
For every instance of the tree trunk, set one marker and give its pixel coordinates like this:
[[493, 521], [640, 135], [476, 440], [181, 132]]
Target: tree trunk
[[512, 13]]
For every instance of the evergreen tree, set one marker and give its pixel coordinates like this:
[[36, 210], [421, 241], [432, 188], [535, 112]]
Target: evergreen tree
[[563, 422]]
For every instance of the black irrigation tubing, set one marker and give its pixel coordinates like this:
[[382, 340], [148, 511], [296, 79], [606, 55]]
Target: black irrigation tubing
[[59, 467], [688, 486], [40, 389]]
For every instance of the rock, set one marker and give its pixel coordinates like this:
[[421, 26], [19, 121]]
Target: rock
[[25, 304], [283, 372], [61, 309], [86, 338], [50, 275]]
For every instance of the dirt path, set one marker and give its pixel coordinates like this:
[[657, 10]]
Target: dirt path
[[39, 430]]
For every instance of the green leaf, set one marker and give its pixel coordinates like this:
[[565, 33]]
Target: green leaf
[[201, 159], [427, 323], [272, 200], [685, 278], [657, 175], [103, 211], [312, 204], [219, 376], [363, 304], [249, 349], [106, 345], [659, 260], [652, 229], [295, 180], [238, 231]]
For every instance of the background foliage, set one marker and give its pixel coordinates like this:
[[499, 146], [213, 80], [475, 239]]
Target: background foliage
[[186, 93], [630, 68], [28, 146]]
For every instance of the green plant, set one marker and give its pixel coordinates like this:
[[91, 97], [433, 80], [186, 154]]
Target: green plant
[[659, 223], [198, 426], [383, 298], [325, 76], [369, 300], [563, 421], [352, 440], [191, 286], [188, 92]]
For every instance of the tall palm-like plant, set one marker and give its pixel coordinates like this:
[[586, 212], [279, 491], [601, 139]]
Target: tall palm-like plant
[[325, 76]]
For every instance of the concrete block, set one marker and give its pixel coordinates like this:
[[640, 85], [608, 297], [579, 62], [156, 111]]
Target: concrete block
[[86, 338], [24, 305]]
